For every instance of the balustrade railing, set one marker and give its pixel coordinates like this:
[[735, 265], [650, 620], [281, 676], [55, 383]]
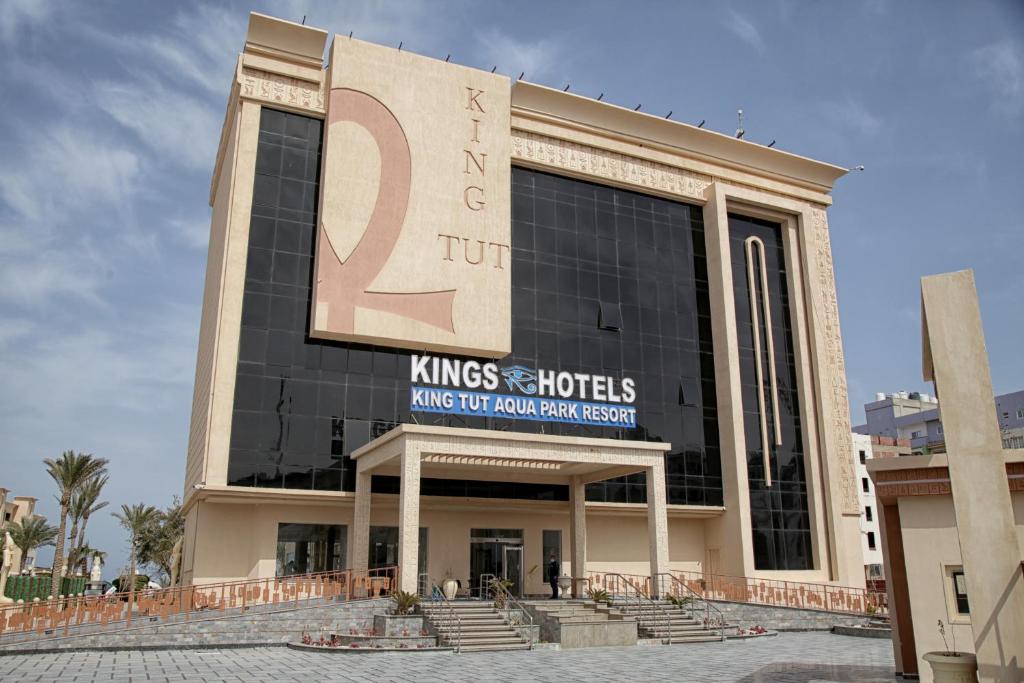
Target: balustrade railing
[[442, 613], [59, 617], [785, 593], [696, 604], [510, 608], [627, 591]]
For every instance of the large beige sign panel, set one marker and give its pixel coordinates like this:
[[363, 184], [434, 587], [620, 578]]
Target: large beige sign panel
[[413, 247]]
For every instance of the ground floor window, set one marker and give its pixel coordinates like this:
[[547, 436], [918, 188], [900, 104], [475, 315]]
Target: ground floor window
[[384, 547], [552, 546], [309, 548], [960, 592]]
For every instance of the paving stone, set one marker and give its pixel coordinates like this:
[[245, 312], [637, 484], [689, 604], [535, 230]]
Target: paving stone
[[789, 657]]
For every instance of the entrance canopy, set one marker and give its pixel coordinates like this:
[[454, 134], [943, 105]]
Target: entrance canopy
[[414, 451]]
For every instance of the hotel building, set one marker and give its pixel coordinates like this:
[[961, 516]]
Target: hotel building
[[457, 324]]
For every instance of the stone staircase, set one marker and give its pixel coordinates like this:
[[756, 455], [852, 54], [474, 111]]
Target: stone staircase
[[683, 626], [580, 623], [483, 628]]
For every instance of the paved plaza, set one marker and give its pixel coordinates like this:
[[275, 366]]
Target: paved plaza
[[787, 658]]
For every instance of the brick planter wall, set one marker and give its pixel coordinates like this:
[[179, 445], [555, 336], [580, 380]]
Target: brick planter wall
[[240, 629], [780, 618]]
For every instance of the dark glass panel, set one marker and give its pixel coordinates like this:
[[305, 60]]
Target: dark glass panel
[[579, 252]]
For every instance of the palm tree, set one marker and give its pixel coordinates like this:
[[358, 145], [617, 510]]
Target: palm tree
[[136, 519], [30, 533], [70, 472], [83, 505]]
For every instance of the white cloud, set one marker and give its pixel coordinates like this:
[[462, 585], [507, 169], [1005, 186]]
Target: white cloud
[[180, 129], [850, 114], [745, 30], [64, 170], [16, 15], [536, 58], [1000, 66], [194, 233]]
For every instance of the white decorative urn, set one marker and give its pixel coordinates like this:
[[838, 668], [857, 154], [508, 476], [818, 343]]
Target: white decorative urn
[[564, 583], [947, 667], [96, 575], [449, 587]]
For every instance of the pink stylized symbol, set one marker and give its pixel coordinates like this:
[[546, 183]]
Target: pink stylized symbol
[[344, 284]]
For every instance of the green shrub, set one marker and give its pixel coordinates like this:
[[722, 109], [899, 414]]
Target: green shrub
[[405, 603]]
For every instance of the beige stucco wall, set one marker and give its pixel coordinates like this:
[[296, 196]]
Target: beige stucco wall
[[930, 543], [237, 541]]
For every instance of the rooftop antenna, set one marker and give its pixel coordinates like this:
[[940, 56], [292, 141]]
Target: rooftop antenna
[[399, 46], [350, 35], [494, 68], [448, 57], [772, 143], [303, 19], [701, 124], [600, 97], [669, 114], [739, 129], [858, 167], [636, 108], [566, 88], [521, 74]]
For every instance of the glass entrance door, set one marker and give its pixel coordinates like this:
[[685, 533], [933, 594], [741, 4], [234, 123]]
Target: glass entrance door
[[488, 559], [513, 568]]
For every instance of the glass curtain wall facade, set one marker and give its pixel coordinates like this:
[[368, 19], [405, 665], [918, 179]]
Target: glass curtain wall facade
[[779, 518], [605, 281]]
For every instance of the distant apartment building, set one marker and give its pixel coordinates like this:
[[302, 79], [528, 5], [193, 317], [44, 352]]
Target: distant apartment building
[[865, 448], [870, 536], [1010, 413], [914, 417]]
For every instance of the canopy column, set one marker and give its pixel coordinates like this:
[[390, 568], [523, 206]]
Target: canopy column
[[578, 534], [409, 519], [657, 523]]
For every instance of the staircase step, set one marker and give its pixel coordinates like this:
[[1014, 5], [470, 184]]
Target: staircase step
[[488, 648], [489, 628], [487, 640]]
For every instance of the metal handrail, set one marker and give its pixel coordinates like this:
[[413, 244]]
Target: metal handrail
[[482, 583], [694, 596], [451, 617], [797, 594], [502, 599], [642, 600]]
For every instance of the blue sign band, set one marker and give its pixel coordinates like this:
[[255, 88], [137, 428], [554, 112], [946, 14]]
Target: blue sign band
[[461, 402]]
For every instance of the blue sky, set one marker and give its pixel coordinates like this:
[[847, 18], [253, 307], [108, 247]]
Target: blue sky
[[112, 110]]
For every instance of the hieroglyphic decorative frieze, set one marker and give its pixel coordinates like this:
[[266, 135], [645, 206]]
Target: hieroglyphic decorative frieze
[[601, 163], [893, 484], [294, 92], [837, 430]]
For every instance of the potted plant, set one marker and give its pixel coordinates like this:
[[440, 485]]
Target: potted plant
[[450, 587], [680, 601], [405, 602], [950, 666], [599, 595]]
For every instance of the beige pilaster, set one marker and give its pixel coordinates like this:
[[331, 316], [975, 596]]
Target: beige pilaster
[[409, 519], [956, 360], [730, 532], [360, 544], [578, 534], [657, 523]]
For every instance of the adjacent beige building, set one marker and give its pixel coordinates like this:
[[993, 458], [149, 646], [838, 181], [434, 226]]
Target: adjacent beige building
[[14, 509], [458, 324]]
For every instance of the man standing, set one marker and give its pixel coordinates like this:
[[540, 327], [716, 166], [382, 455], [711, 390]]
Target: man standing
[[553, 576]]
